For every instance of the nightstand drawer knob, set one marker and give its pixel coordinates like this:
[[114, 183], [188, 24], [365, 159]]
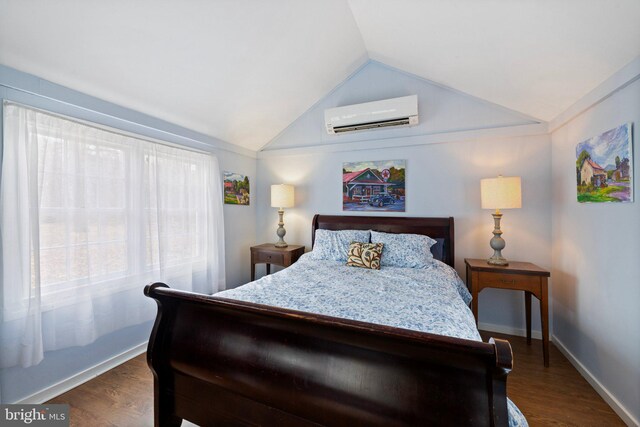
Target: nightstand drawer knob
[[510, 281]]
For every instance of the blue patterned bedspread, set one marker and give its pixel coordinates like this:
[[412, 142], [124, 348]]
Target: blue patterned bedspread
[[432, 299]]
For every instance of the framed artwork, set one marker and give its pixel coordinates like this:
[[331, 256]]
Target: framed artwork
[[377, 186], [236, 189], [604, 167]]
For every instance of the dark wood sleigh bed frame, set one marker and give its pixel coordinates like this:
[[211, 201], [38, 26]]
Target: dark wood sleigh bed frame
[[225, 362]]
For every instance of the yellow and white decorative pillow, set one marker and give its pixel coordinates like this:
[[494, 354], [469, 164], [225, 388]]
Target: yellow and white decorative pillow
[[365, 255]]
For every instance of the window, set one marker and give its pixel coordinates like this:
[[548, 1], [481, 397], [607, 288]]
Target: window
[[85, 212], [90, 215], [97, 222]]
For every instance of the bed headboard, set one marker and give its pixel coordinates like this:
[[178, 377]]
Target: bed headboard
[[440, 229]]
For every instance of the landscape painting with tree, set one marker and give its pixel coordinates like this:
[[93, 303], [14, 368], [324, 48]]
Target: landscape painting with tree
[[604, 167], [236, 189], [374, 186]]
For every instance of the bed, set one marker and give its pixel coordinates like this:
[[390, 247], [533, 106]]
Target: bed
[[245, 357]]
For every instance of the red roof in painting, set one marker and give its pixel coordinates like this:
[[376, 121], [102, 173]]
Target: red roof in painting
[[346, 177], [596, 167], [350, 176]]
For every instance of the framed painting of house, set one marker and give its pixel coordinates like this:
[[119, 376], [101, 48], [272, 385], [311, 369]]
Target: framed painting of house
[[604, 167], [377, 186], [236, 189]]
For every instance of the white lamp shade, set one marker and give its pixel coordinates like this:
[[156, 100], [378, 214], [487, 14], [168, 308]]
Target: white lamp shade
[[282, 196], [503, 192]]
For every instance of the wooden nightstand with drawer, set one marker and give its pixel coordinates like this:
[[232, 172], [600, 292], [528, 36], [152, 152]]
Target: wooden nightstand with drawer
[[269, 254], [518, 276]]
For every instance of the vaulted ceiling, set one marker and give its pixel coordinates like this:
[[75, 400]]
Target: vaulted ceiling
[[243, 70]]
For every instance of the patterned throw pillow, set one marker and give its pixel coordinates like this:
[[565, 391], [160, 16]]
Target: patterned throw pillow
[[365, 255]]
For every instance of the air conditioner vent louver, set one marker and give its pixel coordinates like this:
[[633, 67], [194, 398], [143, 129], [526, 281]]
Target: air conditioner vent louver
[[373, 125], [383, 114]]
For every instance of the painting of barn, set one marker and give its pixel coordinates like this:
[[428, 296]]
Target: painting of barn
[[604, 167], [236, 189], [374, 186]]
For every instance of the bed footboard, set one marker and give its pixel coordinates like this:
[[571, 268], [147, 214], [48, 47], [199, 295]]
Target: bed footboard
[[224, 362]]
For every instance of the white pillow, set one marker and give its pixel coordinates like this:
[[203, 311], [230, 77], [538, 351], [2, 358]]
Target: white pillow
[[334, 245], [404, 250]]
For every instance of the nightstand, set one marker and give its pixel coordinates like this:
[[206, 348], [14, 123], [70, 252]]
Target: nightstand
[[517, 276], [268, 253]]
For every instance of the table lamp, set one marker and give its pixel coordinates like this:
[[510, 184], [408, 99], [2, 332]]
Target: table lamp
[[498, 193], [281, 197]]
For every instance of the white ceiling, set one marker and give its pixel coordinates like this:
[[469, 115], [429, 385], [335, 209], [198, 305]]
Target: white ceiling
[[537, 57], [240, 71], [244, 70]]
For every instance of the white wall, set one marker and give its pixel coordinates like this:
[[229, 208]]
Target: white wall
[[239, 222], [460, 140], [596, 263], [441, 180], [442, 110]]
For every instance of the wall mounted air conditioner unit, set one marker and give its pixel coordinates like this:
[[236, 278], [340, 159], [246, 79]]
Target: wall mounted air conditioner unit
[[373, 115]]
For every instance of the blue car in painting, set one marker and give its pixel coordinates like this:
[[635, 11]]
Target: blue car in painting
[[381, 200]]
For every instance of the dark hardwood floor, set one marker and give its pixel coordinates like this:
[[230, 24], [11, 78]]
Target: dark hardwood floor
[[557, 395]]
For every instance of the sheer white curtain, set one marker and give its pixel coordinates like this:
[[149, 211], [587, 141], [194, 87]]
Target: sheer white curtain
[[88, 216]]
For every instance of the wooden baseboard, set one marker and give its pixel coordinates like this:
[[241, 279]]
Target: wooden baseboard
[[65, 385], [615, 404], [509, 330]]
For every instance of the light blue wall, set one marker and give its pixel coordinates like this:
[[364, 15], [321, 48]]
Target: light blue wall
[[16, 383], [460, 140], [441, 110], [596, 268]]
